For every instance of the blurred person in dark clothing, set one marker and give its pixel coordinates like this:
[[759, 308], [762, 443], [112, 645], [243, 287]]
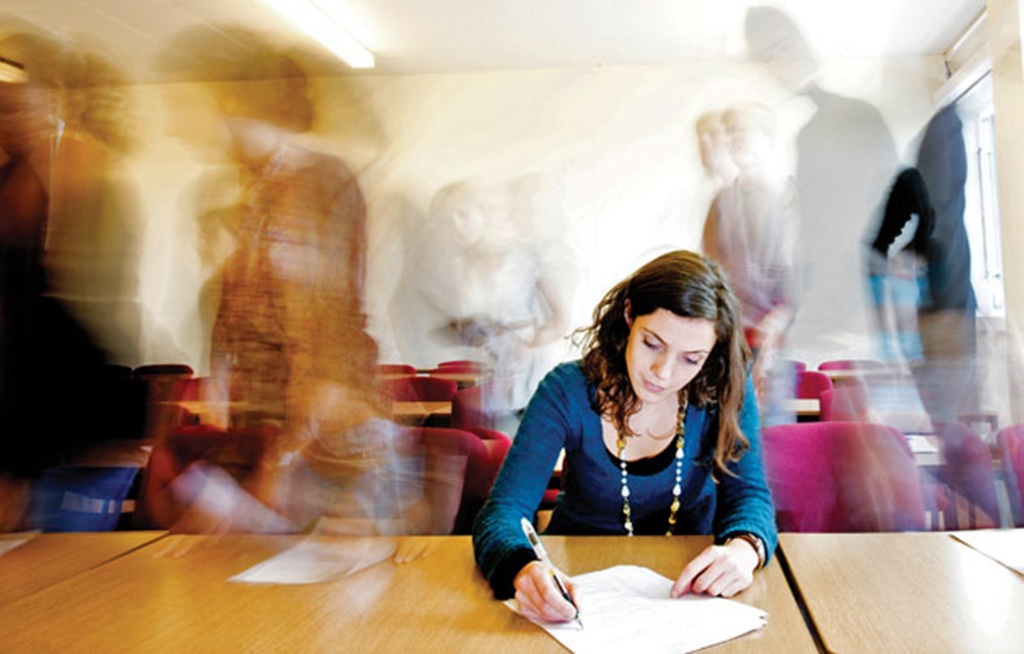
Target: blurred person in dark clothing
[[55, 140], [934, 193]]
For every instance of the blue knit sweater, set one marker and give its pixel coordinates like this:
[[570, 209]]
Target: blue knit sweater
[[561, 415]]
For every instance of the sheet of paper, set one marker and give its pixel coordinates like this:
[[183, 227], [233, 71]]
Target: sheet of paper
[[628, 609], [921, 444], [1003, 545], [318, 559], [10, 541]]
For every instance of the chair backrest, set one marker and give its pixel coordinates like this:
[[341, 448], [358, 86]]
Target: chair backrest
[[396, 369], [164, 370], [966, 470], [851, 364], [462, 365], [164, 380], [1011, 450], [470, 408], [237, 451], [842, 476], [419, 389], [82, 498], [847, 402], [484, 452], [810, 384]]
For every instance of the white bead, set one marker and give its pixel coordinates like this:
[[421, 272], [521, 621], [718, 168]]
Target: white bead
[[677, 491], [625, 491]]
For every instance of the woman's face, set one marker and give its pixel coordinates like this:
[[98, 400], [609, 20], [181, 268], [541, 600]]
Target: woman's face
[[665, 352]]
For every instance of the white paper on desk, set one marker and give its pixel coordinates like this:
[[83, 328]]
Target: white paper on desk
[[1004, 545], [921, 445], [9, 542], [628, 608], [316, 560]]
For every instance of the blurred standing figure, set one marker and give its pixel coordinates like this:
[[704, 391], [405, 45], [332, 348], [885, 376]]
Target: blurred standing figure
[[289, 344], [751, 227], [846, 157], [946, 321], [60, 136], [496, 276]]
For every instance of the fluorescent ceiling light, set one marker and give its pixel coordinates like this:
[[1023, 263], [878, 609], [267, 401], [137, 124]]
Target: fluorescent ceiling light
[[316, 19]]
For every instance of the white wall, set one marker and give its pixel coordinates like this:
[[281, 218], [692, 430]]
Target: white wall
[[1008, 97], [620, 140]]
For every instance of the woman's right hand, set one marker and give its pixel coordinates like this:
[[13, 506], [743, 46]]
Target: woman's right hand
[[539, 597]]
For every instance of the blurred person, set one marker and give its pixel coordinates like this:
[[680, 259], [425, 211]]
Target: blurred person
[[495, 275], [289, 348], [660, 431], [93, 237], [947, 321], [931, 199], [55, 143], [846, 157], [750, 230]]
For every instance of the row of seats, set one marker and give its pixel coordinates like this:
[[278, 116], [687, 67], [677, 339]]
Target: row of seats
[[840, 476], [239, 451]]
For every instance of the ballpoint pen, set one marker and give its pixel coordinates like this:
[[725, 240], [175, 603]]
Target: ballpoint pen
[[538, 549]]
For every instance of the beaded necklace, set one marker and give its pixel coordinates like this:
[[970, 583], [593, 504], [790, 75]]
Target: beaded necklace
[[676, 488]]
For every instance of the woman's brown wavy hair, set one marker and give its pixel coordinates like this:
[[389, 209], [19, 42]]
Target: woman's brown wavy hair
[[690, 286]]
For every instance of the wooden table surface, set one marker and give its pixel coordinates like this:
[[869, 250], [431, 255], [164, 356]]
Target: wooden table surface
[[47, 559], [906, 592], [175, 596], [465, 378], [413, 412], [803, 407]]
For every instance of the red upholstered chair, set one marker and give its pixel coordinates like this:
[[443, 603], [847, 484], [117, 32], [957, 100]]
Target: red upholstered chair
[[483, 450], [163, 379], [462, 365], [395, 369], [419, 389], [842, 476], [966, 478], [469, 408], [848, 402], [852, 364], [1011, 449], [810, 384], [237, 451]]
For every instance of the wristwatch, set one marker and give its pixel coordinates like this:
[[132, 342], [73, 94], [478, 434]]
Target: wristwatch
[[754, 542]]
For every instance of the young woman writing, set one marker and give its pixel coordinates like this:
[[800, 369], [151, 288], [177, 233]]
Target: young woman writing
[[660, 430]]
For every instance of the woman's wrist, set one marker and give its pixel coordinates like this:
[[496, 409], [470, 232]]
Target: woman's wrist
[[755, 543]]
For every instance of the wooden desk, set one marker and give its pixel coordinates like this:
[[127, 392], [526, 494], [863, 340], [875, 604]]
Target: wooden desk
[[48, 559], [416, 413], [143, 602], [464, 379], [804, 408], [908, 592]]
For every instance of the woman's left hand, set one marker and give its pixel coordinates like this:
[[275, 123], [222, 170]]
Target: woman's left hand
[[721, 570]]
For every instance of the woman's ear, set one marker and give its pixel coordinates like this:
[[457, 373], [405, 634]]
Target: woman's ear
[[627, 314]]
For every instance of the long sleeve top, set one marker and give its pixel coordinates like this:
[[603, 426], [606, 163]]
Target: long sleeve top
[[561, 415]]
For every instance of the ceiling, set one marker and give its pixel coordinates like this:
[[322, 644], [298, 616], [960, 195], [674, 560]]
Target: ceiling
[[423, 36]]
